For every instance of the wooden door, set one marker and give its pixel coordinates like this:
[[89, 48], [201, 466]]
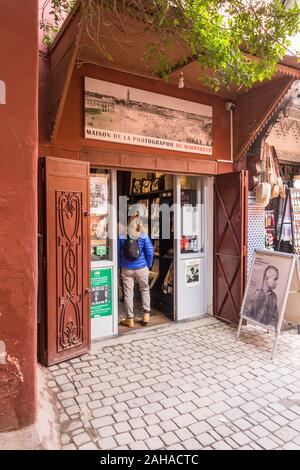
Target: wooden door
[[67, 259], [230, 244]]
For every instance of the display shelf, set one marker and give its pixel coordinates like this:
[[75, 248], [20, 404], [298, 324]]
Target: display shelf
[[289, 237], [270, 226]]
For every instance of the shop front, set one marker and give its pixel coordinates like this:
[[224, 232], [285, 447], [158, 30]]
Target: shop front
[[175, 219], [119, 143], [275, 160], [167, 184]]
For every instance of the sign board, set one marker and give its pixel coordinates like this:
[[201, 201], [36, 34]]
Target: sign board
[[292, 310], [101, 292], [273, 292], [127, 115]]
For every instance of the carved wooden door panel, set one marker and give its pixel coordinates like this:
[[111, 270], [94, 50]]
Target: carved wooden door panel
[[230, 244], [68, 259]]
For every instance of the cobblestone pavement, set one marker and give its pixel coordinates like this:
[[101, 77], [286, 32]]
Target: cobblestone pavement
[[183, 386]]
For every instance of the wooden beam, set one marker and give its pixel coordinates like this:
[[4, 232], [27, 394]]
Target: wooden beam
[[285, 69], [263, 121], [182, 64], [67, 81]]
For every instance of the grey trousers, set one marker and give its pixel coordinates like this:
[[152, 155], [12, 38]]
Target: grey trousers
[[128, 277]]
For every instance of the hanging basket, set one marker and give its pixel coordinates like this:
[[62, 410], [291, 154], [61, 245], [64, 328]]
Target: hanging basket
[[263, 193], [274, 191]]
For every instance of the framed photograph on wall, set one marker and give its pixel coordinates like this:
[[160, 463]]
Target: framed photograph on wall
[[192, 272], [136, 186]]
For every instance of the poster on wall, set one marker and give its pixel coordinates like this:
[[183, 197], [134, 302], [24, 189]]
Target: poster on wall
[[192, 272], [122, 114], [99, 194], [101, 292]]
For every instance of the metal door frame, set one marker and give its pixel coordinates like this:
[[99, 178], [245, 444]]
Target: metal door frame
[[113, 262]]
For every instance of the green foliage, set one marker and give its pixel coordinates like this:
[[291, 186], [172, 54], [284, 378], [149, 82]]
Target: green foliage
[[57, 10], [222, 36], [217, 34]]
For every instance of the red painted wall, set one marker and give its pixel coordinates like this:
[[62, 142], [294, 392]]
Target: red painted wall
[[18, 212]]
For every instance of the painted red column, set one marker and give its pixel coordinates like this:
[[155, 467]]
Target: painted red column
[[18, 212]]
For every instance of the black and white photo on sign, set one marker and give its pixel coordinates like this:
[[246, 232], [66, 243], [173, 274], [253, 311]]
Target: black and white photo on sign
[[123, 114], [267, 287], [100, 295], [99, 194], [192, 272]]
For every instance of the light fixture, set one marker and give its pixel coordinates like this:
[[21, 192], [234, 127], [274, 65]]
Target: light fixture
[[181, 81]]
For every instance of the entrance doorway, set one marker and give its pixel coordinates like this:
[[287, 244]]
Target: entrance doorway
[[146, 200], [175, 213]]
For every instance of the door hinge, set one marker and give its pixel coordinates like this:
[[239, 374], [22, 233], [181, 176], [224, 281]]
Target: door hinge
[[44, 263], [244, 250], [43, 174]]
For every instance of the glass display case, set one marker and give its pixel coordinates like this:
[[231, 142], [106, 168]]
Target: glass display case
[[99, 217], [191, 209]]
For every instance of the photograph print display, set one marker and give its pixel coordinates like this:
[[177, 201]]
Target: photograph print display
[[267, 287], [127, 115], [192, 272]]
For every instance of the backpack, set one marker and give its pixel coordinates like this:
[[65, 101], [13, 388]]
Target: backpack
[[131, 249]]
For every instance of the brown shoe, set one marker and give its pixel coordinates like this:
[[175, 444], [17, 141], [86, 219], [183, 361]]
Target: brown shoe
[[146, 318], [129, 322]]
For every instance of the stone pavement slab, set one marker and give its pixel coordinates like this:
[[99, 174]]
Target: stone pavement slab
[[188, 386]]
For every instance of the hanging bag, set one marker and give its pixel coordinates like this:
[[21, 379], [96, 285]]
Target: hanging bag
[[263, 188], [273, 176], [282, 189]]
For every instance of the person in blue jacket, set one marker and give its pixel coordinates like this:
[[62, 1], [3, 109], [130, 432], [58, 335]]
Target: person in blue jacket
[[135, 267]]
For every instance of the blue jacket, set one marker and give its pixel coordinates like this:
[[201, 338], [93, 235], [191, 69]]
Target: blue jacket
[[146, 254]]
